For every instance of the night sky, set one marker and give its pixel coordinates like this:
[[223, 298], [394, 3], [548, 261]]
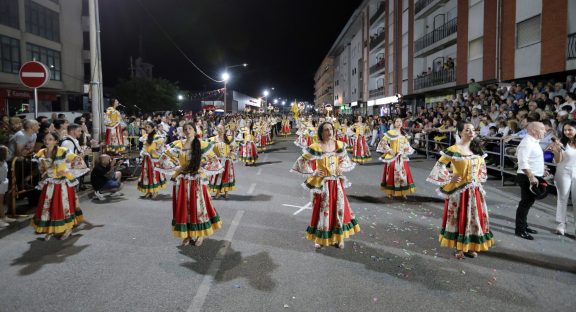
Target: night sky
[[283, 41]]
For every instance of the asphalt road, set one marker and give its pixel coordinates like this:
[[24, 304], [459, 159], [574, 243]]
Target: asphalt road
[[127, 260]]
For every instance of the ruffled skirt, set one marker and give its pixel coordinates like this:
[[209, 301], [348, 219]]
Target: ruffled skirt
[[465, 222], [150, 180], [114, 140], [397, 179], [360, 152], [225, 181], [57, 210]]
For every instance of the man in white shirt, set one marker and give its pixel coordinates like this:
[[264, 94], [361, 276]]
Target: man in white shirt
[[530, 168]]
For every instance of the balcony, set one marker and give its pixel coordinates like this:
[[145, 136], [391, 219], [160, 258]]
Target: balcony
[[571, 52], [434, 79], [377, 67], [377, 92], [424, 7], [440, 36], [379, 12], [377, 40]]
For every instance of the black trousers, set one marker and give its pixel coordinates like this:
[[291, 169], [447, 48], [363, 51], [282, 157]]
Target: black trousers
[[527, 199]]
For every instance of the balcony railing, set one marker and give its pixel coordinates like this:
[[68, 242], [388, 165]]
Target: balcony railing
[[376, 40], [378, 66], [435, 79], [379, 12], [377, 92], [436, 35], [420, 5], [571, 53]]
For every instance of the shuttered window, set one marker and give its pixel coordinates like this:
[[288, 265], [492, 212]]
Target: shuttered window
[[528, 32]]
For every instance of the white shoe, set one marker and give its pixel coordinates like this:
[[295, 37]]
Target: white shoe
[[561, 228], [8, 220], [116, 194], [99, 195], [3, 224]]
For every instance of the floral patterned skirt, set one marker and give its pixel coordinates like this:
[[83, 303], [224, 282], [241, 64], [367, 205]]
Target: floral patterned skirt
[[225, 181], [57, 209], [332, 219], [248, 153], [150, 181], [360, 152], [397, 178], [192, 212], [465, 222], [114, 140]]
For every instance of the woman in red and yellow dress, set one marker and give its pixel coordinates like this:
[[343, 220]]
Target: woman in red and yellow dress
[[285, 127], [225, 151], [465, 222], [332, 219], [395, 148], [190, 162], [58, 209], [248, 153], [114, 139], [360, 151], [261, 135], [151, 181]]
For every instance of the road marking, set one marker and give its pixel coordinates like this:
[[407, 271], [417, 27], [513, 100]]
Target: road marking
[[259, 172], [251, 188], [308, 206], [204, 288]]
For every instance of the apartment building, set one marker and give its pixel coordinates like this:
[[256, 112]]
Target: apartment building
[[424, 49], [49, 31], [324, 83]]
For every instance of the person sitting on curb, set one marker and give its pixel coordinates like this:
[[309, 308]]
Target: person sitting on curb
[[104, 177]]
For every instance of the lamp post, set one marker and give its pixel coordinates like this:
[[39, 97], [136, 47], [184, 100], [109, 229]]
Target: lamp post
[[225, 78], [266, 93]]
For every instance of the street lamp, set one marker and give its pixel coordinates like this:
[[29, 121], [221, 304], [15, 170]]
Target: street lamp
[[275, 101], [225, 78], [180, 97]]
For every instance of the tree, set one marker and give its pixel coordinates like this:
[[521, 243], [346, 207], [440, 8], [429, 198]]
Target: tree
[[150, 95]]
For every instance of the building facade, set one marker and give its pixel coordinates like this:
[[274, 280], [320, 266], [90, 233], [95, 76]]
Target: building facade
[[421, 49], [49, 31], [324, 82]]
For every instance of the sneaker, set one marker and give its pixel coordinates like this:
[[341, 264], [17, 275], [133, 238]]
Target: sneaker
[[561, 228], [8, 220], [116, 194], [99, 195], [3, 224]]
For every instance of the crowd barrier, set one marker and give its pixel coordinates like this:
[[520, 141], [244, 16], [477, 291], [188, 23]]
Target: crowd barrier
[[501, 159], [23, 179]]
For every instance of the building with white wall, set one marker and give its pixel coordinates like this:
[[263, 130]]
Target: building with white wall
[[49, 31], [428, 48]]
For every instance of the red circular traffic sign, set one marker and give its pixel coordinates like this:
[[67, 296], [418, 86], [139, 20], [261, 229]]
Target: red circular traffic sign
[[34, 74]]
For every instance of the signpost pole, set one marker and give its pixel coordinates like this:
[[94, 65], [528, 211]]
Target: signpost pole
[[35, 103]]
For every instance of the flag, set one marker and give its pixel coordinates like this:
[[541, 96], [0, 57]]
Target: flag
[[295, 109]]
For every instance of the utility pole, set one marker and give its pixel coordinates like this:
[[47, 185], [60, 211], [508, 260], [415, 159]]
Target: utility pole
[[96, 68]]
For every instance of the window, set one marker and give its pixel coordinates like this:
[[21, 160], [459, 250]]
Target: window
[[9, 13], [42, 21], [9, 55], [47, 56], [476, 49], [528, 32]]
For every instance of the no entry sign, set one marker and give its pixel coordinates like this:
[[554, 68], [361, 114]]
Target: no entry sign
[[34, 74]]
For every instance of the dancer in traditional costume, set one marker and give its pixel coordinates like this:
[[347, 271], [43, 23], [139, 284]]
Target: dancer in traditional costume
[[285, 127], [332, 218], [360, 151], [191, 162], [261, 135], [248, 153], [465, 223], [301, 133], [114, 140], [225, 151], [151, 181], [395, 148], [58, 209]]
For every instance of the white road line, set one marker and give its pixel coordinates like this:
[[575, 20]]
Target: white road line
[[308, 206], [259, 172], [204, 288], [251, 188]]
